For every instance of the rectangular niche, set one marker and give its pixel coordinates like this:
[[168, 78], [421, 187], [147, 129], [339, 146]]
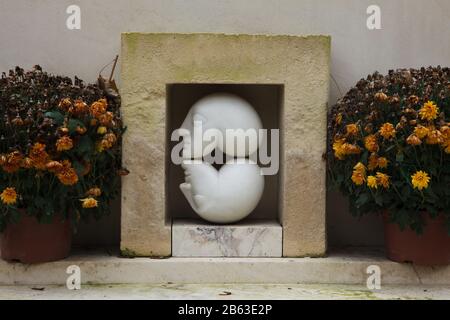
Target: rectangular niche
[[267, 100], [285, 77]]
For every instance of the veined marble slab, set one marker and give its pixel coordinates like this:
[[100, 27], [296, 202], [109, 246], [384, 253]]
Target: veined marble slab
[[196, 238]]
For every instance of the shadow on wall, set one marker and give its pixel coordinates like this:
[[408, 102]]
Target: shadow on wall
[[105, 232], [345, 230]]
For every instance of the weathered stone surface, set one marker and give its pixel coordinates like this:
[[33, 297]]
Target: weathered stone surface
[[196, 238], [104, 267], [151, 61]]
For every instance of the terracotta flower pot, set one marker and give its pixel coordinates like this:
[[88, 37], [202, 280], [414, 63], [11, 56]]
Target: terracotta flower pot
[[29, 241], [430, 248]]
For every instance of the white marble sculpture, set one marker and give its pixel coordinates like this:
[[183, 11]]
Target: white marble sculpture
[[231, 193]]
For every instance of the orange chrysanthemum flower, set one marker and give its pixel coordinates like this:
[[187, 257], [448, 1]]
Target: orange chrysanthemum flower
[[12, 161], [387, 130], [67, 175], [39, 156], [79, 107], [64, 143], [371, 144], [9, 196], [383, 180], [106, 118], [98, 108]]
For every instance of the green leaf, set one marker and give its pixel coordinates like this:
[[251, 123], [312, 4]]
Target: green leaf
[[362, 200], [79, 168], [85, 146], [73, 124], [57, 116]]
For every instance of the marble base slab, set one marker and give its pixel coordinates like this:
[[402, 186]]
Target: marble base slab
[[196, 238]]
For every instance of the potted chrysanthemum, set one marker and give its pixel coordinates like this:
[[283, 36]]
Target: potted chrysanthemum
[[59, 161], [389, 153]]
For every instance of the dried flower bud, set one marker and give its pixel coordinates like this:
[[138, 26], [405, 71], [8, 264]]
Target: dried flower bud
[[413, 140], [63, 130], [413, 99], [54, 166], [17, 121], [123, 172], [381, 96], [65, 104], [81, 130], [94, 192]]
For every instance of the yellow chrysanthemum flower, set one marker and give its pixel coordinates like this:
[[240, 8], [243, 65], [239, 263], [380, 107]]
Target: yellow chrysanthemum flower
[[421, 131], [382, 162], [382, 179], [337, 148], [102, 130], [88, 203], [9, 196], [360, 167], [429, 111], [351, 129], [373, 161], [358, 178], [349, 148], [387, 130], [420, 180], [372, 182], [371, 144], [359, 174]]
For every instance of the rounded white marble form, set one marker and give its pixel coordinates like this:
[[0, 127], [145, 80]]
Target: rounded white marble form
[[226, 195]]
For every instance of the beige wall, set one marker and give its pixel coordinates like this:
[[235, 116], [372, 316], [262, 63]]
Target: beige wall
[[414, 33]]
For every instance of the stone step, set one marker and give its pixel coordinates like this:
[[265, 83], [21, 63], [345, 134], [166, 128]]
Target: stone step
[[103, 266], [224, 292]]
